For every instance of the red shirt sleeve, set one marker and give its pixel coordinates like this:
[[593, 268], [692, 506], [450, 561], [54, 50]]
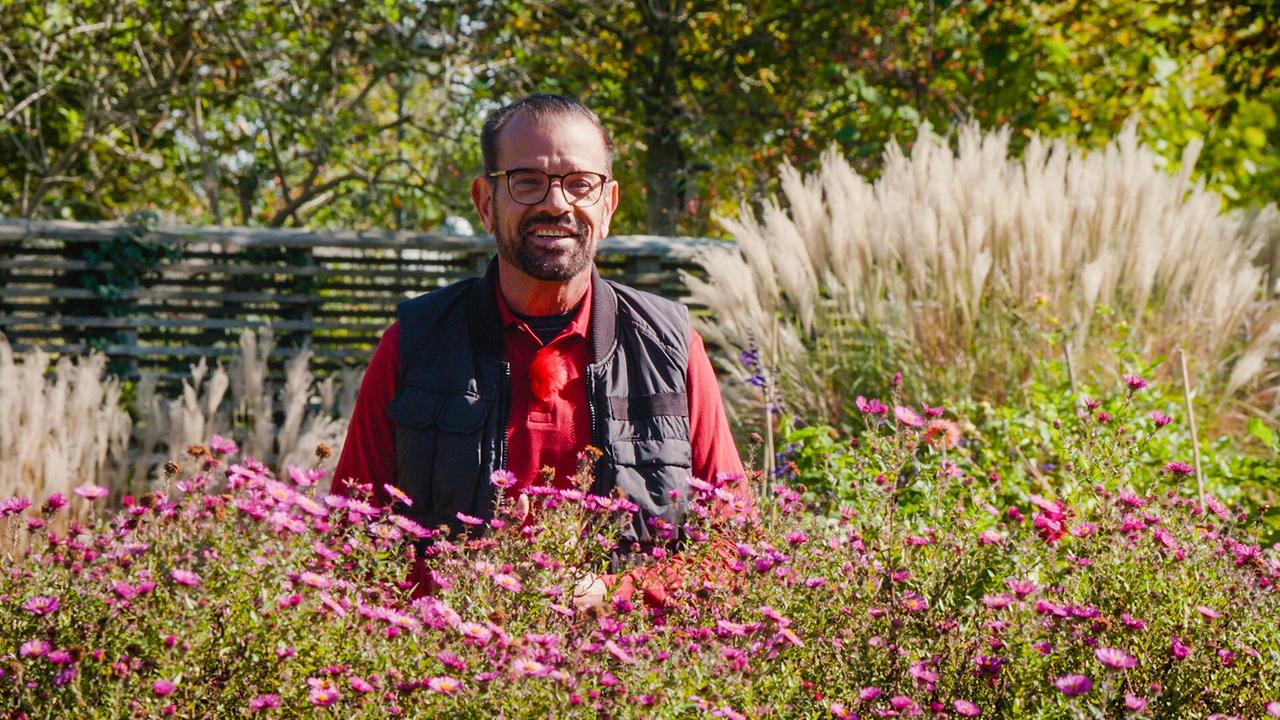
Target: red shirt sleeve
[[369, 451]]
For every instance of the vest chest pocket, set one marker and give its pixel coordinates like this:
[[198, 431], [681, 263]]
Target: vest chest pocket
[[439, 449]]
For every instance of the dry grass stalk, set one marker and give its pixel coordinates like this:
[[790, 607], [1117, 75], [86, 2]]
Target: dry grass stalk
[[943, 250], [61, 431]]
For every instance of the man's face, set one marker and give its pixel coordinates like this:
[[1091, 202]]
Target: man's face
[[552, 240]]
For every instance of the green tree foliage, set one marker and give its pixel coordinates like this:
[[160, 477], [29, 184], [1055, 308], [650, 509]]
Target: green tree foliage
[[244, 112], [365, 114]]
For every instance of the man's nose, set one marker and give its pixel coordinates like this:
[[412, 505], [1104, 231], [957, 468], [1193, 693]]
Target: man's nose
[[556, 197]]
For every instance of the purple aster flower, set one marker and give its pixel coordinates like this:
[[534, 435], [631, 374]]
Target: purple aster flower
[[264, 702], [964, 708], [162, 687], [1179, 468], [1134, 382], [1073, 685], [1160, 418]]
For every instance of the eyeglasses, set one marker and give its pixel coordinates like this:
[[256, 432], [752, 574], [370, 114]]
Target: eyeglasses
[[530, 187]]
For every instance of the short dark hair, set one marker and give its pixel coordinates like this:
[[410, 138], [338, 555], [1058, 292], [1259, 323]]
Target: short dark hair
[[540, 107]]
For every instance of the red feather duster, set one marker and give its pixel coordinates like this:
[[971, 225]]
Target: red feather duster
[[548, 374]]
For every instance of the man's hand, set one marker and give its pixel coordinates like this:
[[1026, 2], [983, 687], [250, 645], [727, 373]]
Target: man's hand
[[589, 593]]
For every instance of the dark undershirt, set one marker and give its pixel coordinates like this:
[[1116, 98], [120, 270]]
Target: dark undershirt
[[547, 327]]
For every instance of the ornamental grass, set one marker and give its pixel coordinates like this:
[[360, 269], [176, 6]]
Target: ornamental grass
[[962, 264], [926, 591]]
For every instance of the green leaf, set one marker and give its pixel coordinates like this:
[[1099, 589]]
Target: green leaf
[[1259, 429], [1255, 137]]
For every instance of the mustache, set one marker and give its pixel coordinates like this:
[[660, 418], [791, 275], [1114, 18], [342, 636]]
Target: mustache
[[547, 219]]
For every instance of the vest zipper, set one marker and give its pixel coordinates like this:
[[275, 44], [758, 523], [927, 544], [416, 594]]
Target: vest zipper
[[591, 402], [506, 413]]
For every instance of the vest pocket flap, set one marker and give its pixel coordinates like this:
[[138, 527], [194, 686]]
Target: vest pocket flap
[[647, 406], [642, 453], [462, 413], [416, 407]]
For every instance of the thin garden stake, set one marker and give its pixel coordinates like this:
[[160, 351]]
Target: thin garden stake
[[1191, 418], [1071, 371]]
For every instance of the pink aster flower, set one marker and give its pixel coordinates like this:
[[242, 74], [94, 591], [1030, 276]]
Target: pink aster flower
[[397, 495], [990, 537], [1160, 419], [313, 579], [54, 503], [1208, 612], [13, 505], [1132, 622], [997, 601], [162, 687], [504, 479], [34, 649], [444, 685], [1273, 709], [359, 684], [529, 667], [507, 582], [323, 693], [911, 602], [870, 407], [1179, 650], [902, 702], [223, 446], [907, 416], [60, 657], [867, 694], [1134, 703], [184, 577], [41, 605], [475, 631], [469, 519], [965, 708], [1134, 382], [1115, 659], [264, 702], [1179, 468], [841, 712], [1073, 685], [306, 477], [89, 491], [1021, 588]]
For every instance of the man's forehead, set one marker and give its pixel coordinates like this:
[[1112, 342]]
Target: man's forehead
[[551, 136]]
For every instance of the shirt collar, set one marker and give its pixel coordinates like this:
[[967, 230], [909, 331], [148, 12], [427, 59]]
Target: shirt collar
[[579, 326]]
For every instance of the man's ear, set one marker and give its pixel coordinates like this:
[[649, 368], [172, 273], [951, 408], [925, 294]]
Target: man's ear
[[482, 198], [610, 206]]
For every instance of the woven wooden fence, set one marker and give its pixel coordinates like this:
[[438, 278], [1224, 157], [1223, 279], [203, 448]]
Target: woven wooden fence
[[162, 297]]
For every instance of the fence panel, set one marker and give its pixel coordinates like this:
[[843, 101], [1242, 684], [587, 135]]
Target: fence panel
[[162, 297]]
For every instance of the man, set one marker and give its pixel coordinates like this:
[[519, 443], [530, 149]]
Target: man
[[525, 367]]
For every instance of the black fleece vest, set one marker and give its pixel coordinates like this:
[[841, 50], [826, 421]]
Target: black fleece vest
[[453, 398]]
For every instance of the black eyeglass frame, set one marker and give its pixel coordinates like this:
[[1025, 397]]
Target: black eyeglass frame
[[604, 180]]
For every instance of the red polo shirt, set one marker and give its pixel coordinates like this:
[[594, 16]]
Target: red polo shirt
[[540, 433]]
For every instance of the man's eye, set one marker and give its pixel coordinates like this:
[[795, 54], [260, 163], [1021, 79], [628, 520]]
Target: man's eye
[[581, 186], [525, 182]]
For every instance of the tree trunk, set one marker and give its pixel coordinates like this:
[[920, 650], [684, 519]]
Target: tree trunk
[[664, 170], [664, 158]]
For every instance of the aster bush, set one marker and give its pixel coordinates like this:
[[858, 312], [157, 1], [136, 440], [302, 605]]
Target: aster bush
[[915, 585]]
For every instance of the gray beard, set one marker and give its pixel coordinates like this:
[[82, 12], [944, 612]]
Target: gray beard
[[541, 264]]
